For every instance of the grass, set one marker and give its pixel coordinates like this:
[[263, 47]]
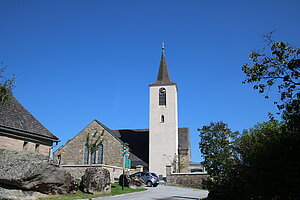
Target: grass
[[115, 190]]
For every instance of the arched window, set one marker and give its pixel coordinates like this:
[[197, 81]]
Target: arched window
[[100, 153], [162, 119], [86, 155], [162, 96]]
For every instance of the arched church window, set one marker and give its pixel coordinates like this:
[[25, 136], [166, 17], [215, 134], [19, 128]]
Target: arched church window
[[100, 153], [86, 155], [162, 96], [162, 119]]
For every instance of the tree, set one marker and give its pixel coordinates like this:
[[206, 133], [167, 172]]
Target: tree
[[269, 161], [6, 86], [93, 140], [217, 148], [279, 66]]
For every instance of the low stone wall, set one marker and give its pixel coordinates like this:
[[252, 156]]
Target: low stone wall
[[77, 171], [193, 180]]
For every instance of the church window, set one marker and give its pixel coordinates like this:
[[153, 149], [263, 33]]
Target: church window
[[162, 96], [86, 155], [100, 153], [94, 157], [162, 119]]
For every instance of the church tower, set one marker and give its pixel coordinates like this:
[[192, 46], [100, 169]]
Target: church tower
[[163, 123]]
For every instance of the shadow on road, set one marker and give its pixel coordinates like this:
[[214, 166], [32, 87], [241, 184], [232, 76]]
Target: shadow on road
[[177, 198]]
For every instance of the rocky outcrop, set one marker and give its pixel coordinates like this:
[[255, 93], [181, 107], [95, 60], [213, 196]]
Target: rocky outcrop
[[13, 194], [95, 180], [33, 171], [131, 181]]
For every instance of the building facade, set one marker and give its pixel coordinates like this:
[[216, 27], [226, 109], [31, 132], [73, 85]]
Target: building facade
[[20, 130]]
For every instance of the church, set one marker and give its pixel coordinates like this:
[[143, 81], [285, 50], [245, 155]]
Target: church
[[164, 143]]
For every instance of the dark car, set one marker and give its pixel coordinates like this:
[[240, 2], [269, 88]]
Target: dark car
[[151, 179]]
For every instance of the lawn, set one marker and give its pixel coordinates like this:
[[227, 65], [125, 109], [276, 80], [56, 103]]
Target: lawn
[[115, 190]]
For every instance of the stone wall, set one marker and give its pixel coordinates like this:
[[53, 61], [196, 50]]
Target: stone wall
[[72, 153], [21, 145], [193, 180]]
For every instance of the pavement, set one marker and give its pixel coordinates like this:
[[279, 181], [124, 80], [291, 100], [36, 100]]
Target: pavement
[[161, 192]]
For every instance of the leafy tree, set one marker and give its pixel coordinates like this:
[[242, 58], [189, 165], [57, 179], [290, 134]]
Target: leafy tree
[[217, 149], [269, 161], [6, 86], [93, 140], [278, 65]]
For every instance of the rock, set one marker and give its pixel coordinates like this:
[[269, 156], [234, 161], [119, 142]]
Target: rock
[[13, 194], [95, 181], [32, 171], [131, 181]]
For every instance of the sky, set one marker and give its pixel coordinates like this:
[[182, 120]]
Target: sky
[[80, 60]]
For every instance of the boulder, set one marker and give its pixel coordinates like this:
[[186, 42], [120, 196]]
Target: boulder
[[14, 194], [32, 171], [131, 181], [95, 180]]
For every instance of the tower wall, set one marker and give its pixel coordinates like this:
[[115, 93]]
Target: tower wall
[[163, 137]]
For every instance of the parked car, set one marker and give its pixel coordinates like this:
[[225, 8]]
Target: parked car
[[151, 179]]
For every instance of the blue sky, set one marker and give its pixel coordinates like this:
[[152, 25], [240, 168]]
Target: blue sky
[[76, 61]]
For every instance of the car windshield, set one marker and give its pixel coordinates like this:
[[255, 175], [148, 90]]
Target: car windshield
[[153, 174]]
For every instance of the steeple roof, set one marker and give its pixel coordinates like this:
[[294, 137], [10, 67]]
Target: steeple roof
[[163, 77]]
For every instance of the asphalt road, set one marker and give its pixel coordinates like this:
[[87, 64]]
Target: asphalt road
[[161, 192]]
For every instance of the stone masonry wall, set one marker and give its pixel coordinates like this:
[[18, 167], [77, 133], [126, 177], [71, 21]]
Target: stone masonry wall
[[184, 163], [193, 180], [19, 145], [72, 153]]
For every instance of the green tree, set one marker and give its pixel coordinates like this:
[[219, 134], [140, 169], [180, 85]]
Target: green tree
[[269, 161], [93, 140], [217, 148], [6, 85], [277, 65]]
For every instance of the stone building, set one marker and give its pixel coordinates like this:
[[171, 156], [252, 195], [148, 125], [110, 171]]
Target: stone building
[[21, 131], [154, 148]]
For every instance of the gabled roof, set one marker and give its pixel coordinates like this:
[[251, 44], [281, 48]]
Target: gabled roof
[[163, 77], [15, 118]]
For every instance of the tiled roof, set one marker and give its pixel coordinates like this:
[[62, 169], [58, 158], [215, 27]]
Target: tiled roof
[[15, 117]]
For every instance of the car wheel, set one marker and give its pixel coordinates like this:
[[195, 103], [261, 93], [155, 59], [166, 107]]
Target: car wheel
[[149, 184], [155, 185]]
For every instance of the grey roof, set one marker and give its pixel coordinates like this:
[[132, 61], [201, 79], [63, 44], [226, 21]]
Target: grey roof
[[15, 117], [138, 140], [163, 77]]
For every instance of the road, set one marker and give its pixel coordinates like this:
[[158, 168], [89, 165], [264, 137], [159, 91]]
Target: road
[[161, 192]]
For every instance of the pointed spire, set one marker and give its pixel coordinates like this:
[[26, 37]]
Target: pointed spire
[[163, 77]]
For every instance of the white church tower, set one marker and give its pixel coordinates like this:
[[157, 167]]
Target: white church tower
[[163, 123]]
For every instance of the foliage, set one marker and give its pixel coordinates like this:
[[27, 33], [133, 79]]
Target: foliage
[[265, 163], [279, 66], [92, 143], [115, 190], [217, 150], [269, 155], [6, 86]]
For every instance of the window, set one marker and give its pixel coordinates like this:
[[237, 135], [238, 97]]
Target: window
[[37, 146], [162, 96], [162, 119], [94, 157], [86, 155], [59, 159], [100, 153]]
